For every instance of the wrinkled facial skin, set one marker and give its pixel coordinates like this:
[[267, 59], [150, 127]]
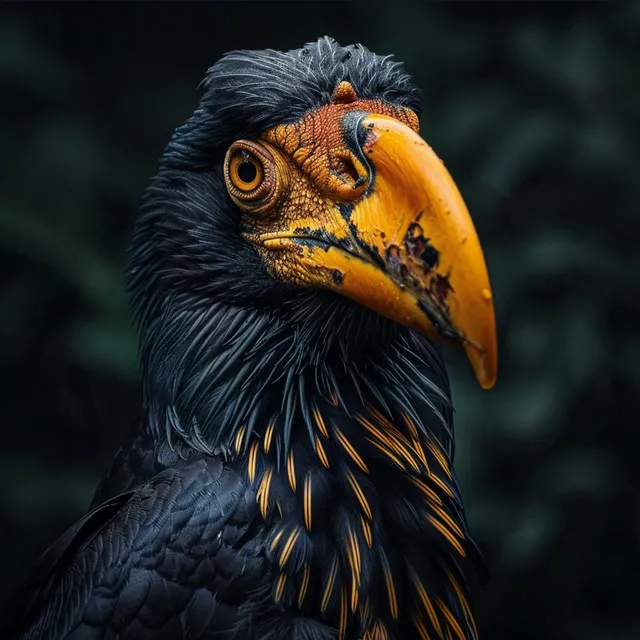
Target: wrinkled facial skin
[[326, 175], [351, 199]]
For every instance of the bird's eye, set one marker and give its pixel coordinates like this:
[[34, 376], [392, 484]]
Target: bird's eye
[[249, 171], [245, 171]]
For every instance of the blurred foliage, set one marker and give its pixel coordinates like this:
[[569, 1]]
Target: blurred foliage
[[534, 107]]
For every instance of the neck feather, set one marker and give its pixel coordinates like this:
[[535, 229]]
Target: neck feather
[[212, 371], [341, 423]]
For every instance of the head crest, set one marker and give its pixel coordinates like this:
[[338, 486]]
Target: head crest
[[344, 93]]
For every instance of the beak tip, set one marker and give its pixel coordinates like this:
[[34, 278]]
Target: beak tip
[[488, 383], [485, 364]]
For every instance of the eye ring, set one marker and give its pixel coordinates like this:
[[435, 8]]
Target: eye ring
[[249, 172]]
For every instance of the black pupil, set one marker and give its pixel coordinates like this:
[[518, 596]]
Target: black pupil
[[247, 171]]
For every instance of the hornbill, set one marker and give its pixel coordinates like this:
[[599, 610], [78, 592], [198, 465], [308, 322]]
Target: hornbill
[[299, 259]]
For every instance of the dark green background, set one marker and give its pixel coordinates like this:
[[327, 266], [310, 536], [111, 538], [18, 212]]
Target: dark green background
[[534, 108]]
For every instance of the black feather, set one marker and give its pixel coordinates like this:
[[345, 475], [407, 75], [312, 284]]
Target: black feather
[[352, 512]]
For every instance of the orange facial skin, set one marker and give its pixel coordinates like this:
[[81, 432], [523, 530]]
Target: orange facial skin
[[361, 205]]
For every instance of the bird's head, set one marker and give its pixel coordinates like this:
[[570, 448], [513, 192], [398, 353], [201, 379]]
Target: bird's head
[[349, 198], [304, 171]]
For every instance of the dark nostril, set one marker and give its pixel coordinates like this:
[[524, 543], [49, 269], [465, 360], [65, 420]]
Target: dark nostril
[[359, 182], [353, 131], [354, 135]]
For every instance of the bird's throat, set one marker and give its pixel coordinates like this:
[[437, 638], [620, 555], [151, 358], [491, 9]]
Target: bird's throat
[[343, 430]]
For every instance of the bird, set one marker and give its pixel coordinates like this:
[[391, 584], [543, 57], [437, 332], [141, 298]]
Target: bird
[[299, 262]]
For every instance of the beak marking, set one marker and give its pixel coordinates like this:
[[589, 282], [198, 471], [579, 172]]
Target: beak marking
[[420, 248], [418, 255]]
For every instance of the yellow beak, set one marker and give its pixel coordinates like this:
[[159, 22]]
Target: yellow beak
[[407, 247]]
